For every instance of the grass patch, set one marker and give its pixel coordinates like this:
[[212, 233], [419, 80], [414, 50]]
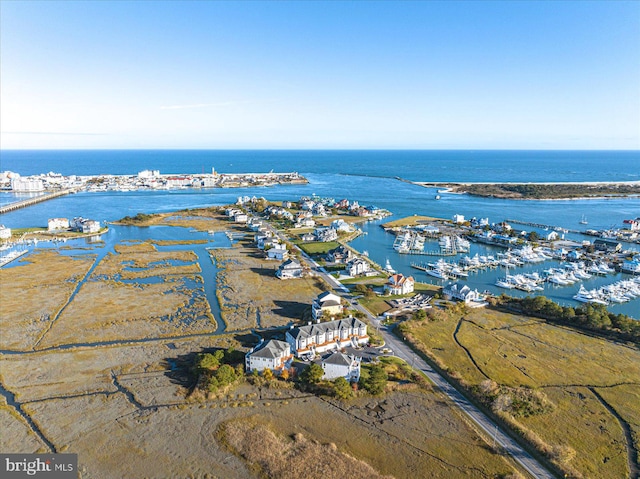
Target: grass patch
[[538, 377], [317, 247], [411, 221]]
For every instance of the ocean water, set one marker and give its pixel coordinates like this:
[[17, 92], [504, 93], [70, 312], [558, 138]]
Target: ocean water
[[367, 176]]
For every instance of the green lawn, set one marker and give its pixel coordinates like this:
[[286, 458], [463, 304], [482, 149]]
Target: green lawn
[[317, 247]]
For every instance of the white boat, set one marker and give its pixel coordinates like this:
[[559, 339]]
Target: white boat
[[584, 221], [437, 273], [388, 268]]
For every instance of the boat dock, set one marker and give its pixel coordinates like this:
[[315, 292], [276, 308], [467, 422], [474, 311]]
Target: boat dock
[[545, 227], [32, 201]]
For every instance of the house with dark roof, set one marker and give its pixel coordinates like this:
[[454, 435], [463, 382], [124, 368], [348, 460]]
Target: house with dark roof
[[317, 338], [341, 254], [339, 365], [273, 354]]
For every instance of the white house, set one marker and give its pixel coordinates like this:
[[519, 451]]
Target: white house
[[461, 292], [341, 225], [552, 236], [400, 284], [326, 303], [289, 269], [5, 233], [318, 338], [54, 224], [90, 226], [458, 219], [149, 174], [325, 234], [277, 252], [240, 217], [273, 354], [339, 365], [308, 237], [358, 266]]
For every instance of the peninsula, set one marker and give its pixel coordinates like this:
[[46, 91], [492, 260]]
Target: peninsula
[[541, 191]]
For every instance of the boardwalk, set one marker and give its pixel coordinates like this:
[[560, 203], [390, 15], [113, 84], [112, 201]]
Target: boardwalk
[[32, 201]]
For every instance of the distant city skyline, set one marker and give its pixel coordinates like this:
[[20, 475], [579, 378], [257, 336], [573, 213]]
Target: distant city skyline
[[320, 75]]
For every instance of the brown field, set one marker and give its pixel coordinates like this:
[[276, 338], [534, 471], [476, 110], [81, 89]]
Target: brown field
[[248, 289], [563, 367], [32, 294], [126, 400]]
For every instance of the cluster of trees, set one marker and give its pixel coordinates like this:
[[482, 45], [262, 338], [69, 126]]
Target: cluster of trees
[[373, 380], [364, 290], [216, 371], [593, 317], [547, 191], [138, 218]]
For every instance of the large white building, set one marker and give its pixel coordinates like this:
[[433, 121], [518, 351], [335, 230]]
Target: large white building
[[273, 354], [461, 292], [290, 269], [26, 184], [317, 338]]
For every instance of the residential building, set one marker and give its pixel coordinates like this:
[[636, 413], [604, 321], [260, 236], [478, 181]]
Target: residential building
[[318, 338], [632, 225], [308, 237], [341, 254], [54, 224], [458, 219], [90, 226], [608, 246], [273, 354], [326, 234], [277, 252], [400, 284], [240, 217], [631, 266], [326, 303], [289, 269], [339, 365], [341, 225], [358, 266], [461, 292]]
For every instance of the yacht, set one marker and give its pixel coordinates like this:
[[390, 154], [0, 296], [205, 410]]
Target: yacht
[[388, 268], [584, 221]]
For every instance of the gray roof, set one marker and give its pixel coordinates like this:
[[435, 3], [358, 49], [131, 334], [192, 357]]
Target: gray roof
[[336, 325], [271, 349], [338, 359], [290, 264]]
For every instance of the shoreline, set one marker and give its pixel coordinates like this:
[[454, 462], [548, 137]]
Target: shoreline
[[542, 191]]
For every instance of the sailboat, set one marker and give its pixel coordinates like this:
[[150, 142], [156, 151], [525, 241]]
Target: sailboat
[[584, 221], [388, 268]]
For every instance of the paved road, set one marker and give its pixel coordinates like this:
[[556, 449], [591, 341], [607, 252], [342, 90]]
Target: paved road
[[510, 446], [403, 351]]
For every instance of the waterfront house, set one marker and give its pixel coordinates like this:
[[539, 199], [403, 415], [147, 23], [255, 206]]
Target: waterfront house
[[608, 246], [326, 234], [273, 354], [458, 219], [327, 304], [552, 236], [461, 292], [277, 252], [632, 225], [317, 338], [339, 365], [90, 226], [358, 266], [55, 224], [240, 217], [341, 254], [289, 269], [341, 225], [399, 284], [266, 240]]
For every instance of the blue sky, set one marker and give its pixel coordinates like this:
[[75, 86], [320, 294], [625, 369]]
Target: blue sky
[[432, 75]]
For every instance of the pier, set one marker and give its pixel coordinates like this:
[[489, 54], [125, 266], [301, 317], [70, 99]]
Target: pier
[[8, 258], [32, 201]]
